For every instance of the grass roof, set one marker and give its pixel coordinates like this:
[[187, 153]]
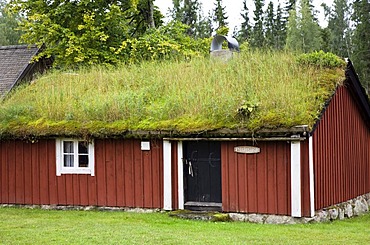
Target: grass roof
[[255, 90]]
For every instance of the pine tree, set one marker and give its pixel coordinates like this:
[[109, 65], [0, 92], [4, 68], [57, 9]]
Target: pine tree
[[245, 30], [257, 39], [269, 26], [219, 15], [361, 40]]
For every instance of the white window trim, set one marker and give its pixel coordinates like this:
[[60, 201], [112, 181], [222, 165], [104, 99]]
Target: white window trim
[[73, 170]]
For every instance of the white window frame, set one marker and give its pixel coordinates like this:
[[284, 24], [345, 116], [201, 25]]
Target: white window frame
[[74, 170]]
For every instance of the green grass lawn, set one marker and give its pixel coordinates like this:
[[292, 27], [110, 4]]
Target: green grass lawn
[[27, 226]]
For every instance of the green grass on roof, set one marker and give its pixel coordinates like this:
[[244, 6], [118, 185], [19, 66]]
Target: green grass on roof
[[254, 90]]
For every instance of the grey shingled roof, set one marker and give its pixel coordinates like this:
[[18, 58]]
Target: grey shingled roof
[[15, 61]]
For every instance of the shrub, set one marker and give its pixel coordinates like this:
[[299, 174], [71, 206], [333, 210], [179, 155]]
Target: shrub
[[322, 59]]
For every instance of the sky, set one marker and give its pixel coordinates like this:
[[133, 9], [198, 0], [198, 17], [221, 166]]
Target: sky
[[234, 7]]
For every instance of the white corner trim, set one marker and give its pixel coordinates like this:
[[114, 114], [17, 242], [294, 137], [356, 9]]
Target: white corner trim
[[58, 156], [167, 188], [295, 178], [180, 175], [312, 177]]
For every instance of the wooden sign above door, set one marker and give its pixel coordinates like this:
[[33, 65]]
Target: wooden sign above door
[[247, 149]]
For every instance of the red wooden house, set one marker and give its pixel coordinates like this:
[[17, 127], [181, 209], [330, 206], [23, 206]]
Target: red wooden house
[[294, 171]]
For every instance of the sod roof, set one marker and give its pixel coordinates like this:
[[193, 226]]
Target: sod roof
[[254, 92]]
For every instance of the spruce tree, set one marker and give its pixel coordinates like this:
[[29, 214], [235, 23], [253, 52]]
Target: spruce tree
[[186, 12], [257, 39], [279, 29], [361, 40], [310, 29], [269, 25], [219, 15], [293, 39], [338, 27], [245, 30]]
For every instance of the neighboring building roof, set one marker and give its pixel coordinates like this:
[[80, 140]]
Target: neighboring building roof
[[15, 63], [254, 95]]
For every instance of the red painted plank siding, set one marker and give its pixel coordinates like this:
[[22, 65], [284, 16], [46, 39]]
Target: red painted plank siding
[[28, 175], [256, 183], [341, 152], [305, 179]]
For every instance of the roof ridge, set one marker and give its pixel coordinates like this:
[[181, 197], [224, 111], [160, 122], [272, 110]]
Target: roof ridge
[[22, 46]]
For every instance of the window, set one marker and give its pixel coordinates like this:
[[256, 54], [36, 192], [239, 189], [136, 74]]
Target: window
[[74, 157]]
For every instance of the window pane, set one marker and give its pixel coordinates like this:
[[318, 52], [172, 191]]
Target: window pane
[[83, 161], [68, 146], [68, 160], [82, 147]]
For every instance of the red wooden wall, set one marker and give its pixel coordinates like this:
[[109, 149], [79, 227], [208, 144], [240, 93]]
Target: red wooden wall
[[341, 152], [124, 175], [256, 183]]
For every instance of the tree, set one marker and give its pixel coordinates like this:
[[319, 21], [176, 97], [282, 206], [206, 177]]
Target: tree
[[257, 39], [83, 32], [293, 39], [304, 34], [245, 30], [361, 40], [203, 29], [9, 35], [187, 12], [270, 26], [338, 28], [279, 29], [310, 29], [219, 15]]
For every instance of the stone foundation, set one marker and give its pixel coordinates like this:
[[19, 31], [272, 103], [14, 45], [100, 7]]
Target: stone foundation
[[353, 207]]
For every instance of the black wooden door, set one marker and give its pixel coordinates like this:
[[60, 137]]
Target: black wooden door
[[202, 170]]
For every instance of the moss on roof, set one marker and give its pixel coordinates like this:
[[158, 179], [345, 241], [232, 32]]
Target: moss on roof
[[255, 90]]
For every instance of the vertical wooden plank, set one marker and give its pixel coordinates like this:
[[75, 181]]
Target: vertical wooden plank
[[129, 173], [11, 154], [271, 179], [4, 172], [83, 189], [19, 172], [76, 189], [262, 179], [100, 173], [138, 175], [51, 162], [240, 177], [283, 178], [119, 149], [44, 171], [35, 173], [110, 167], [252, 183], [156, 172], [147, 178], [92, 189], [69, 189], [233, 184], [27, 173]]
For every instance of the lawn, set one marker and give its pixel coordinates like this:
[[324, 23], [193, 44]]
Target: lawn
[[35, 226]]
